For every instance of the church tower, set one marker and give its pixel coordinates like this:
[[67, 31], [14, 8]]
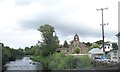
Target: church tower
[[76, 37], [76, 41]]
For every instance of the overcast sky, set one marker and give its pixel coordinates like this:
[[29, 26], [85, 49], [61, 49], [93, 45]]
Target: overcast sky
[[19, 20]]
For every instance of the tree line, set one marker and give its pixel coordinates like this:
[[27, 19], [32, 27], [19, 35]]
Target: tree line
[[10, 54]]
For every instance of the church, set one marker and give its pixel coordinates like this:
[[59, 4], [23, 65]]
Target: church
[[74, 44]]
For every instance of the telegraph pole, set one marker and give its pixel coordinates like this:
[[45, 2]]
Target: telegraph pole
[[102, 9]]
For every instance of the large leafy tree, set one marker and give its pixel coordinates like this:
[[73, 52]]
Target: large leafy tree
[[50, 40], [65, 45]]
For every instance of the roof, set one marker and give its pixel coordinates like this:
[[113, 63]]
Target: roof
[[95, 51], [118, 34]]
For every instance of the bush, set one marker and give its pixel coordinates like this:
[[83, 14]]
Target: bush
[[59, 61], [43, 60], [85, 61], [94, 45], [77, 50]]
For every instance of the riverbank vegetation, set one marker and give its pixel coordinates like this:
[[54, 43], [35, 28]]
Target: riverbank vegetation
[[59, 61], [10, 54]]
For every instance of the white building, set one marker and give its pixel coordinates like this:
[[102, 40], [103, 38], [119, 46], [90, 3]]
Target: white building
[[113, 55], [95, 52], [107, 46]]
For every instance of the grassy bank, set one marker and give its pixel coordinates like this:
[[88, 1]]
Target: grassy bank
[[59, 61], [85, 61]]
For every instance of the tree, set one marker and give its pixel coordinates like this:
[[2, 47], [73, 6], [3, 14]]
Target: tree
[[114, 45], [21, 51], [50, 41], [94, 45], [65, 45], [88, 44], [6, 54], [10, 54], [99, 42], [27, 50]]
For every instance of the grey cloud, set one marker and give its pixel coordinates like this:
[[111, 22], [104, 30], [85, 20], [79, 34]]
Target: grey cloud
[[64, 27]]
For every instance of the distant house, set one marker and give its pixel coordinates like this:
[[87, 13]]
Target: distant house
[[110, 52], [107, 46], [95, 52]]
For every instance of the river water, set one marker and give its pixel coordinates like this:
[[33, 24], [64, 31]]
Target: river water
[[23, 65]]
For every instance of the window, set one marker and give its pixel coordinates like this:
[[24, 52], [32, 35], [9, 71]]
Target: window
[[114, 57], [105, 47], [115, 51]]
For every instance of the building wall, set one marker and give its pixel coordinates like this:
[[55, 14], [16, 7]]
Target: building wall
[[114, 55], [119, 47]]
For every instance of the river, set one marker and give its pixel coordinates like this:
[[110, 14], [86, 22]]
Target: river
[[23, 65]]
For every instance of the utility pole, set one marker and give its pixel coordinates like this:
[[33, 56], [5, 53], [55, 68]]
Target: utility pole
[[102, 9]]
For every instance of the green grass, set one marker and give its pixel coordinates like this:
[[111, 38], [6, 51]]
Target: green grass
[[85, 61]]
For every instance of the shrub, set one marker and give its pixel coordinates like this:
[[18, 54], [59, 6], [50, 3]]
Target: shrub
[[77, 50], [85, 61], [59, 61]]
